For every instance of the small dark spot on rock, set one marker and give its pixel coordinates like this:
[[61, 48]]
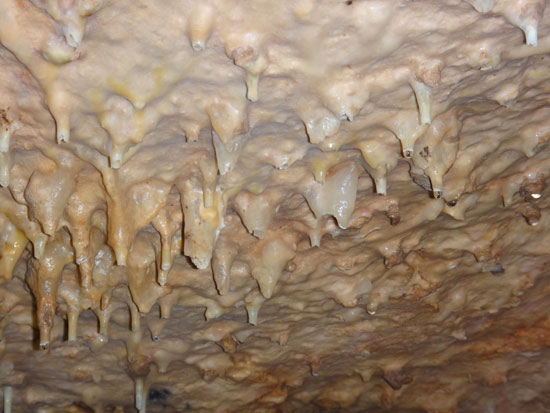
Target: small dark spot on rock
[[425, 153], [452, 202], [396, 379], [4, 117], [159, 395], [393, 214], [498, 269], [349, 2], [395, 219]]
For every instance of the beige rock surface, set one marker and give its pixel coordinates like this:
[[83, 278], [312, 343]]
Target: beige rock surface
[[293, 206]]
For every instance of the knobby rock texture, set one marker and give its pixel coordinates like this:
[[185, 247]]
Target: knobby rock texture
[[275, 206]]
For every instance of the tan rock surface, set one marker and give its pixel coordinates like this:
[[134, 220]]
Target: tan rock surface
[[275, 206]]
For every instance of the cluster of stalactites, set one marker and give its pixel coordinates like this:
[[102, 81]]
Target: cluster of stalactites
[[104, 256], [93, 234], [57, 29], [92, 241]]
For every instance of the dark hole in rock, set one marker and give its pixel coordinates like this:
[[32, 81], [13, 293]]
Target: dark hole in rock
[[159, 395]]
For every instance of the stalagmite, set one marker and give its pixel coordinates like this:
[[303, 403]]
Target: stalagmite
[[72, 17], [344, 93], [200, 26], [188, 296], [321, 162], [72, 318], [254, 301], [142, 269], [380, 158], [155, 327], [482, 6], [44, 279], [223, 257], [141, 397], [85, 217], [12, 245], [5, 166], [135, 317], [144, 200], [126, 123], [229, 121], [118, 230], [423, 95], [112, 300], [337, 195], [47, 195], [226, 158], [58, 103], [526, 15], [201, 226], [437, 150], [168, 223], [7, 128], [320, 125], [257, 211], [275, 254], [253, 71], [18, 215], [8, 397], [407, 127]]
